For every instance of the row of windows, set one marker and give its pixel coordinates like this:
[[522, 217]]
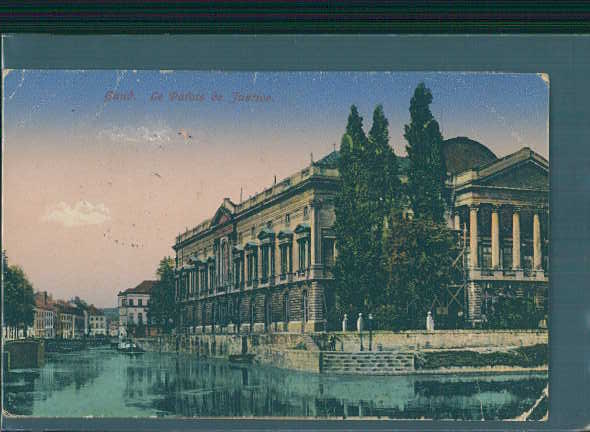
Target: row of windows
[[131, 303], [230, 312], [269, 225], [246, 269]]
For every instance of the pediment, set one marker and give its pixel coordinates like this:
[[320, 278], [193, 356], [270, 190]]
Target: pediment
[[222, 215], [527, 174]]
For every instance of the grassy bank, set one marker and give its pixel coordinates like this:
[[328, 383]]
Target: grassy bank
[[530, 356]]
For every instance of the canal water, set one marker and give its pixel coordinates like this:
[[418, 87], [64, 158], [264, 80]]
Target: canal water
[[103, 382]]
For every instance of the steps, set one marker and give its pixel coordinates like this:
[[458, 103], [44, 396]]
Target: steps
[[368, 362]]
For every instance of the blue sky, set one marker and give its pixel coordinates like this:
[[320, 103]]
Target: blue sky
[[81, 171]]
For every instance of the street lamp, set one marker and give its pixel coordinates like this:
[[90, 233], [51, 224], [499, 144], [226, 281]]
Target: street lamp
[[370, 332]]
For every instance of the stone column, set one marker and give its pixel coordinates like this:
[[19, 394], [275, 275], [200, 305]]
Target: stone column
[[495, 238], [537, 258], [516, 238], [473, 252]]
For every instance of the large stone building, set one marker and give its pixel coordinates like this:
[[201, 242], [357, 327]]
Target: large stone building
[[264, 264]]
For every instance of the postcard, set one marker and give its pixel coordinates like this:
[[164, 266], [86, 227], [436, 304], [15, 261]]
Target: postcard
[[350, 245]]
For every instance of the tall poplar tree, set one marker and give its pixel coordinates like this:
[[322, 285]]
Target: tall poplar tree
[[427, 173], [350, 226], [368, 189], [421, 251]]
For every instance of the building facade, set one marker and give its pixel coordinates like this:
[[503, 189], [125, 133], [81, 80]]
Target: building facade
[[264, 264], [500, 207], [97, 322], [133, 307]]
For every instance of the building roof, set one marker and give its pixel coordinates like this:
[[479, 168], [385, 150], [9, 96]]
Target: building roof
[[145, 287], [462, 153], [331, 161]]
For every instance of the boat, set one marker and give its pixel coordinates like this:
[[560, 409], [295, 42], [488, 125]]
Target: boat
[[128, 347]]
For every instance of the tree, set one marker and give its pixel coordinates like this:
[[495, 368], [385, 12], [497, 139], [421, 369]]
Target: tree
[[349, 225], [162, 305], [369, 186], [427, 174], [421, 263], [420, 250], [19, 297]]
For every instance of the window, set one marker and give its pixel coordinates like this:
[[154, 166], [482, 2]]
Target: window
[[265, 250], [139, 302], [284, 254], [252, 233], [507, 257], [328, 252], [252, 266], [486, 257], [305, 212], [287, 218], [305, 307], [130, 302], [303, 254], [211, 278], [269, 224]]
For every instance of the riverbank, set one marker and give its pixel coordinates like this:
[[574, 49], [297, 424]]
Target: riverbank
[[394, 353], [106, 383]]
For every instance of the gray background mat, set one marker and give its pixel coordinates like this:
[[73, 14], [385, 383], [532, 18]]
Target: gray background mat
[[566, 58]]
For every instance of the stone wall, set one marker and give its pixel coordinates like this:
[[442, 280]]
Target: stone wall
[[442, 339], [25, 354]]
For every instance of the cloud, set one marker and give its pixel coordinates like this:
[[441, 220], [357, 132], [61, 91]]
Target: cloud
[[82, 213], [166, 71], [140, 134]]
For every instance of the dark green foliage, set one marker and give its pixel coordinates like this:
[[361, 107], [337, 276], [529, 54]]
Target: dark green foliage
[[19, 298], [420, 255], [511, 312], [530, 356], [427, 173], [368, 191], [162, 310]]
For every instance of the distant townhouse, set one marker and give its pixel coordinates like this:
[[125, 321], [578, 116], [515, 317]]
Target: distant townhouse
[[97, 324], [65, 320], [133, 309], [45, 316]]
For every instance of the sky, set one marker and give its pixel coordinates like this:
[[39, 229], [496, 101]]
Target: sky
[[103, 168]]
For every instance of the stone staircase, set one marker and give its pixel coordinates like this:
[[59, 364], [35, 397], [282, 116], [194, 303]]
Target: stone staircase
[[367, 362]]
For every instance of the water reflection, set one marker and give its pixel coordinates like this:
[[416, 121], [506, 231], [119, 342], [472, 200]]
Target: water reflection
[[101, 382]]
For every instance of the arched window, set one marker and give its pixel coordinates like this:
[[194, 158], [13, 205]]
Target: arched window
[[305, 307]]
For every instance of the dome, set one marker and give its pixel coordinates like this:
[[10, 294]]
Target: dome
[[462, 153]]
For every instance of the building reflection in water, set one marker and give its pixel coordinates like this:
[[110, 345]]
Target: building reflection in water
[[179, 385]]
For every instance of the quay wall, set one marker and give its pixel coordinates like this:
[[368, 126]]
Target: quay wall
[[304, 352], [25, 354], [441, 339]]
